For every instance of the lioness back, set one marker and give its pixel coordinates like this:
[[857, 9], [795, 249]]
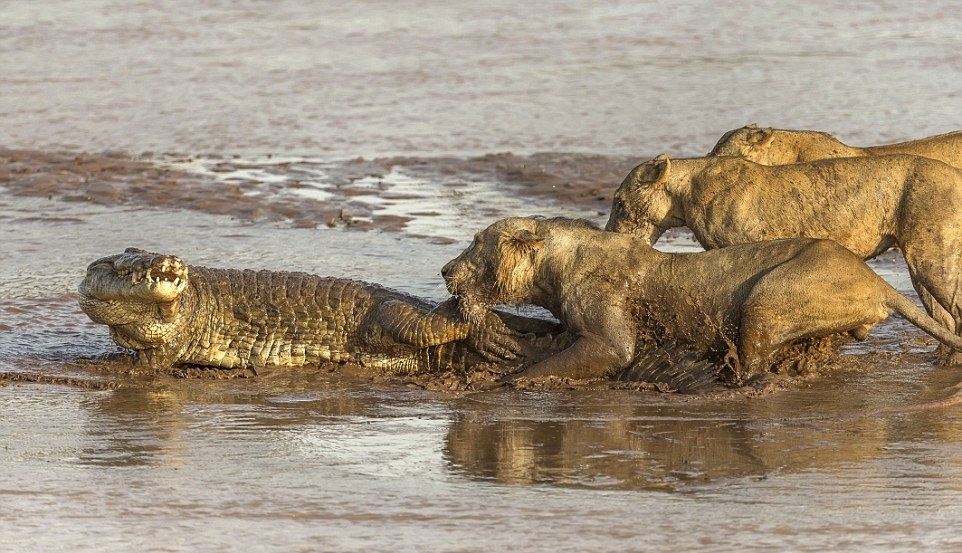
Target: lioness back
[[946, 148], [864, 203], [853, 201], [770, 146]]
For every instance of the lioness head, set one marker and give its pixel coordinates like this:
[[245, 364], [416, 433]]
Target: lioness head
[[642, 205], [496, 269], [770, 146], [751, 142], [783, 146]]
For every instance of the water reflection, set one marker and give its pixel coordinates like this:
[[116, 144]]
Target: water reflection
[[877, 410], [629, 454], [620, 441], [135, 426], [159, 420]]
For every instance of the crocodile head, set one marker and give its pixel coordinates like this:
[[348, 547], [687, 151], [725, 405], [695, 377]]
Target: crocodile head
[[139, 295]]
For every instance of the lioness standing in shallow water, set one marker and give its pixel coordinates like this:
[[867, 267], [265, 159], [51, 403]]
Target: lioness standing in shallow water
[[606, 287], [770, 146], [866, 204]]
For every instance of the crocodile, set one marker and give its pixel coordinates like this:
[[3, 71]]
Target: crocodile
[[168, 313]]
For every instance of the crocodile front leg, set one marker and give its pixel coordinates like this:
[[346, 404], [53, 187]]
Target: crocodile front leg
[[409, 325]]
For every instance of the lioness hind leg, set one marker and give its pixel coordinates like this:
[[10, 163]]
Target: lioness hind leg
[[767, 327], [756, 344], [821, 292]]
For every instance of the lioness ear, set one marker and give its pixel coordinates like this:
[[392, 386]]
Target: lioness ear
[[520, 242], [762, 137], [514, 246], [769, 136], [662, 177]]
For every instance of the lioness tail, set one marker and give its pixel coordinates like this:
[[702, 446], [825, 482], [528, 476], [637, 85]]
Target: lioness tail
[[915, 315]]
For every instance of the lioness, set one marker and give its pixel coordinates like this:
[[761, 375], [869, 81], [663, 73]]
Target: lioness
[[866, 204], [770, 146], [606, 288]]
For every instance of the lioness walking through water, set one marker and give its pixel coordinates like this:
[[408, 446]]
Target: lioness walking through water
[[607, 288], [867, 204]]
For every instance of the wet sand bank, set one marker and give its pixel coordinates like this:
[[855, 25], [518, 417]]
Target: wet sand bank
[[274, 191]]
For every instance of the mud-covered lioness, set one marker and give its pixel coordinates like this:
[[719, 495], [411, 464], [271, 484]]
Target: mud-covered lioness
[[607, 288], [770, 146], [867, 204]]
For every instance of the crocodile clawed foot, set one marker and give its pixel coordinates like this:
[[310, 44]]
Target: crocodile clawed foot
[[496, 347], [494, 340]]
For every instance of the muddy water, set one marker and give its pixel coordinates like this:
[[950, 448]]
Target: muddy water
[[863, 455]]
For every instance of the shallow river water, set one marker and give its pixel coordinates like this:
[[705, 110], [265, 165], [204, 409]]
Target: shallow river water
[[269, 104]]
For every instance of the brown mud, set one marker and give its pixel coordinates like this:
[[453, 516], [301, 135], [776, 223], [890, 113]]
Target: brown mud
[[668, 371], [118, 179]]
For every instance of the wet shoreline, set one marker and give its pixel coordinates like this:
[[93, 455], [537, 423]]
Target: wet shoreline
[[250, 190]]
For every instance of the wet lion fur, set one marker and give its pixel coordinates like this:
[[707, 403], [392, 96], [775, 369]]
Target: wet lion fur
[[867, 204], [740, 304]]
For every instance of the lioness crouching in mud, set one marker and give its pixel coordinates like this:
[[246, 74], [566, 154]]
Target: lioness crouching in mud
[[770, 146], [607, 288], [867, 204]]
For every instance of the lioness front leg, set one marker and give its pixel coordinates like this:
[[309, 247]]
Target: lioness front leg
[[605, 343], [590, 356], [934, 259]]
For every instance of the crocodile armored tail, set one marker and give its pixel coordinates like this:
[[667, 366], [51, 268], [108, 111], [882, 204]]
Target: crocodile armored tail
[[170, 314]]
